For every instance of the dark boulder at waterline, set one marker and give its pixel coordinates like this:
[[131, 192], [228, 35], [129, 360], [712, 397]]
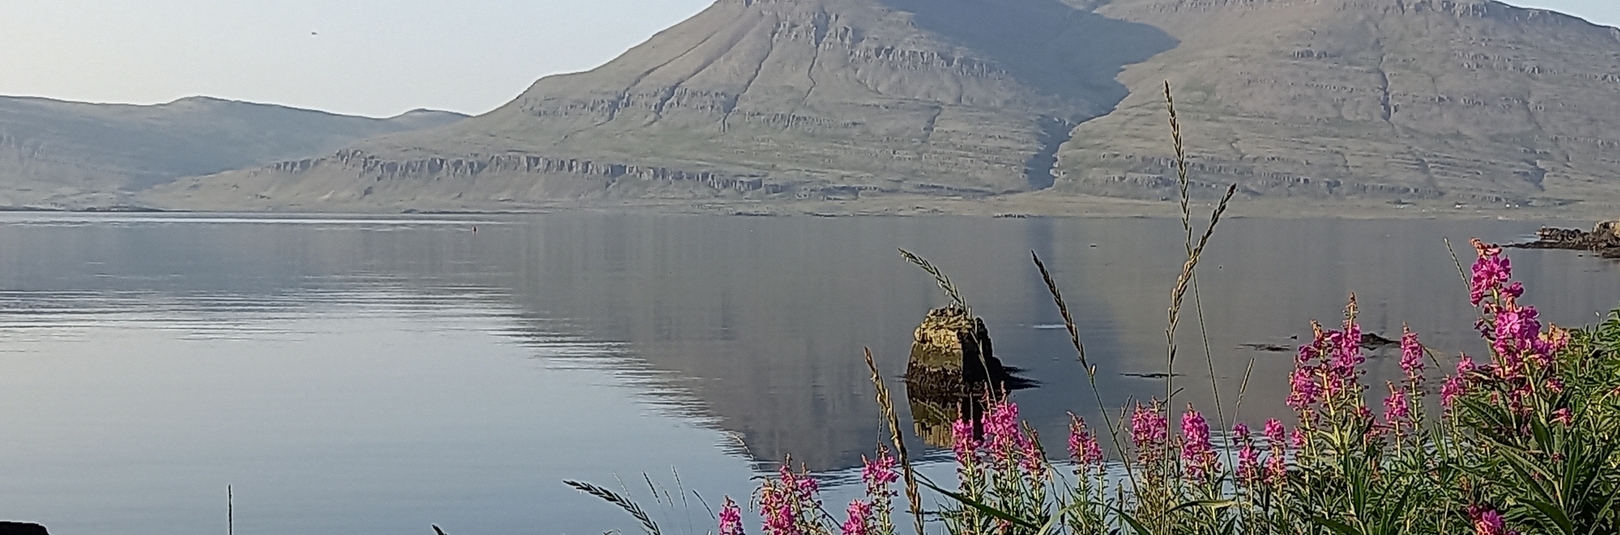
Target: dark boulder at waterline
[[951, 369], [21, 528], [1604, 239]]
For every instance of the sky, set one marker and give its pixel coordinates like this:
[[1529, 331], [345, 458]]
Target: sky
[[364, 57]]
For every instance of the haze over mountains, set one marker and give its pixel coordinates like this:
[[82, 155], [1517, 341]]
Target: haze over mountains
[[56, 154], [1455, 101]]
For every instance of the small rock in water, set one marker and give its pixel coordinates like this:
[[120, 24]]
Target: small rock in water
[[21, 528]]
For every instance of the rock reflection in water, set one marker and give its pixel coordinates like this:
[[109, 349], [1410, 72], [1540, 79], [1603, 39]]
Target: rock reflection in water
[[951, 371]]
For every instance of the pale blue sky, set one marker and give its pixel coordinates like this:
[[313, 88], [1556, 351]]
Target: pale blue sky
[[369, 57]]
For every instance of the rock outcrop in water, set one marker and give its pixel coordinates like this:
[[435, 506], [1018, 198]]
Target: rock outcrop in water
[[1465, 101], [1604, 239], [951, 369], [951, 354], [22, 528]]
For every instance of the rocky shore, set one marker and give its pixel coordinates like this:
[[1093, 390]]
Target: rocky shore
[[1604, 239]]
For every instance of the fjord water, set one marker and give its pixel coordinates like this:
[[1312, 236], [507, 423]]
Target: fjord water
[[378, 374]]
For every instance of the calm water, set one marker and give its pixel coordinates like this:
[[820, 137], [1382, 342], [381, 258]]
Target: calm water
[[376, 375]]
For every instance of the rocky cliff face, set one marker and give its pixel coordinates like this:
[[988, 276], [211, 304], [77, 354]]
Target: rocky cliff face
[[787, 98], [1468, 101], [72, 155], [1463, 100]]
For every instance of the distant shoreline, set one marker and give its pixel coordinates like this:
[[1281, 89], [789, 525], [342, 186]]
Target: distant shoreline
[[1016, 206]]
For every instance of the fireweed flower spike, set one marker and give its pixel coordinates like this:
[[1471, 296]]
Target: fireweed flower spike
[[879, 472], [1196, 450], [1396, 410], [730, 518], [1248, 469], [788, 502], [1456, 385], [1487, 521], [1150, 432], [1490, 271], [1411, 356], [1564, 417], [1276, 460], [1083, 446], [963, 442], [1001, 431], [776, 506], [860, 514], [1031, 459]]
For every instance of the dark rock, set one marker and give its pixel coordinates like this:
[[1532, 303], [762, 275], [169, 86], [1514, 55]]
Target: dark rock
[[1371, 341], [951, 370], [1604, 239], [1150, 375], [21, 528]]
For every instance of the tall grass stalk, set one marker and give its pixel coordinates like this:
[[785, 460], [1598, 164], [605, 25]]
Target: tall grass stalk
[[886, 404]]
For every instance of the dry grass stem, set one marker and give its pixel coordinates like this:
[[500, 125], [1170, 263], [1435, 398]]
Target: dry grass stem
[[621, 501], [1180, 292], [939, 278], [1080, 349], [1181, 160], [913, 495]]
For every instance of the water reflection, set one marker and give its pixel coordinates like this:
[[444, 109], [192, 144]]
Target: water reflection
[[752, 326]]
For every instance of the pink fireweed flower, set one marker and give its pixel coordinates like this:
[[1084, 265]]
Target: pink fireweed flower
[[1555, 386], [1249, 470], [1456, 385], [1397, 412], [1276, 467], [878, 473], [1196, 450], [1411, 355], [860, 515], [1031, 458], [1303, 390], [1299, 439], [1248, 465], [1273, 432], [963, 441], [1487, 521], [1490, 272], [1564, 417], [778, 505], [1001, 430], [1150, 431], [730, 518], [1083, 446]]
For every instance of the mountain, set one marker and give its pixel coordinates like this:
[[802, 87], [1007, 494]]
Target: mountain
[[1467, 101], [1458, 100], [758, 98], [70, 154]]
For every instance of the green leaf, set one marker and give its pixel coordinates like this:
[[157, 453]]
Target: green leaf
[[1213, 505], [1136, 525], [981, 507], [1553, 514], [1336, 526]]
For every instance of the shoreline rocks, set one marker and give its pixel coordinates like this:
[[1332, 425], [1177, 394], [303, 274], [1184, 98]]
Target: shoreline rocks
[[21, 528], [1604, 239]]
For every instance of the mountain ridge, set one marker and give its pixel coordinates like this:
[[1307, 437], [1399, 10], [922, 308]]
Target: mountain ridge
[[788, 100], [64, 154]]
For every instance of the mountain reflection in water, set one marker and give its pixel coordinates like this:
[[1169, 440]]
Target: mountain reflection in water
[[755, 326]]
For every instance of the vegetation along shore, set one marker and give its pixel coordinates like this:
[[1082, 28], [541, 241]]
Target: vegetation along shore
[[1522, 439]]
